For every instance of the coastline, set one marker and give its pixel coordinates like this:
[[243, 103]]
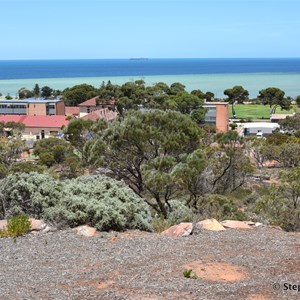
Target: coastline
[[216, 83]]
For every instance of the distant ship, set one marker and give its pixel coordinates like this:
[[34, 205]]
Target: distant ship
[[139, 58]]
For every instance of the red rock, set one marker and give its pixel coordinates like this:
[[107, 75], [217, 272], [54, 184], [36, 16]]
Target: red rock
[[182, 229], [236, 224]]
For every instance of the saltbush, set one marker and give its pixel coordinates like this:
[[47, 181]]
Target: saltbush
[[99, 201], [28, 193], [179, 213]]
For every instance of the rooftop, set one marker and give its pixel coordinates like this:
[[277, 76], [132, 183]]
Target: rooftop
[[104, 113], [72, 110], [36, 121], [260, 124], [30, 100]]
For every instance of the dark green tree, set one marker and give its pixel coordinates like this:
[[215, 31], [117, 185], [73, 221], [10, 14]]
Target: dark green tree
[[78, 94], [274, 97], [36, 91], [24, 93], [237, 94], [46, 92]]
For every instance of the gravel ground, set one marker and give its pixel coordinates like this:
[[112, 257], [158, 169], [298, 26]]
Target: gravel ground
[[139, 265]]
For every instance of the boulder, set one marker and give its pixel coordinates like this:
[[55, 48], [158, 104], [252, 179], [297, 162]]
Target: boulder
[[236, 224], [3, 224], [85, 230], [182, 229], [37, 225], [211, 224]]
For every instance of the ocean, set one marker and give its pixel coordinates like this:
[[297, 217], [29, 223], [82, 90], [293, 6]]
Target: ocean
[[213, 75]]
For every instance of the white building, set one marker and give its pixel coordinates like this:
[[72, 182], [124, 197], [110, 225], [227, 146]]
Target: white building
[[259, 128]]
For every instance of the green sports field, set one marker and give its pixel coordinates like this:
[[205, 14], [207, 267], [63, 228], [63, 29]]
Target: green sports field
[[256, 111]]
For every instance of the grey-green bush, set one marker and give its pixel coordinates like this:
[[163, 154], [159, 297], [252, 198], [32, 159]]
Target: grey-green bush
[[28, 193], [101, 202], [95, 200], [179, 213]]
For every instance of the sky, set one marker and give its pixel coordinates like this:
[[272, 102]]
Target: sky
[[87, 29]]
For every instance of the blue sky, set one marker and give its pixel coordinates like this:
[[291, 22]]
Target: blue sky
[[51, 29]]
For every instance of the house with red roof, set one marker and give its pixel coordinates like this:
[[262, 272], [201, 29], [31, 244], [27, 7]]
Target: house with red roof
[[37, 127], [104, 113], [72, 111], [95, 103]]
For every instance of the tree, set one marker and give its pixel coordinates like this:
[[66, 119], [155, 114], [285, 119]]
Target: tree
[[228, 164], [24, 93], [36, 91], [78, 94], [237, 94], [187, 103], [198, 115], [176, 88], [298, 100], [8, 97], [144, 148], [46, 92], [10, 150], [77, 133], [53, 151], [281, 206], [274, 97]]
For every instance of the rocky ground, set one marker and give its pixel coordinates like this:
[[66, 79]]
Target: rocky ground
[[230, 264]]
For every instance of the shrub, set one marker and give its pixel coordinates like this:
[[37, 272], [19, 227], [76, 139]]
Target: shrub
[[26, 167], [95, 200], [160, 224], [28, 193], [102, 202], [16, 225], [219, 207], [179, 213]]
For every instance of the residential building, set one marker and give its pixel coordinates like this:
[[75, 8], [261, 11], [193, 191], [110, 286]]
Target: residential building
[[32, 107], [277, 117], [104, 113], [94, 103], [38, 127], [217, 115], [72, 111]]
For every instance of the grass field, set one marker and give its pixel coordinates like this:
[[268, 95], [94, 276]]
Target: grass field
[[256, 111]]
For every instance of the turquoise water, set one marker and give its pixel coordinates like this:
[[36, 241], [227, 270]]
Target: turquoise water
[[216, 83]]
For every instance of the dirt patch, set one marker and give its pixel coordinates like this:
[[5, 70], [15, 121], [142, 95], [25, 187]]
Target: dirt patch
[[218, 271], [96, 283]]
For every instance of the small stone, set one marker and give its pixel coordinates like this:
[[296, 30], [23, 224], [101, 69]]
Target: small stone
[[182, 229], [86, 230], [37, 225], [235, 224], [3, 224], [211, 224]]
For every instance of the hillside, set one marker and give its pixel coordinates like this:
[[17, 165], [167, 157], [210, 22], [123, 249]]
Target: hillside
[[231, 264]]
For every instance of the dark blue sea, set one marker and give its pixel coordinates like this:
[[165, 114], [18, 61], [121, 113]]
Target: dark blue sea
[[26, 69]]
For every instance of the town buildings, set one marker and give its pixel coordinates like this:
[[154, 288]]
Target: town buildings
[[32, 107]]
